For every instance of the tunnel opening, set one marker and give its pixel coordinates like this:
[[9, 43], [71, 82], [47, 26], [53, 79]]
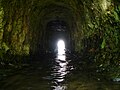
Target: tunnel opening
[[58, 36], [61, 47], [51, 23]]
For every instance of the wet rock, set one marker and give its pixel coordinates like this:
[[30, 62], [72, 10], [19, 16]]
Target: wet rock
[[116, 79]]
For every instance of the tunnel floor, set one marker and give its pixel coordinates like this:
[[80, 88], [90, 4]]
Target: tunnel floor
[[60, 72]]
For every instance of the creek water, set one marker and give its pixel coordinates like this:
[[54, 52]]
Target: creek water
[[57, 73]]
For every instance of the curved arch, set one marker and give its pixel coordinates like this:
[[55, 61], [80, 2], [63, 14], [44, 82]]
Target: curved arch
[[47, 14]]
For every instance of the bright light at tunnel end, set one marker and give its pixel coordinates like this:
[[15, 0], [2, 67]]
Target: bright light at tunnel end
[[61, 47]]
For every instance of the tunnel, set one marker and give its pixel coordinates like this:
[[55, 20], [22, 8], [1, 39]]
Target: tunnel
[[33, 33], [53, 25], [57, 30], [34, 27]]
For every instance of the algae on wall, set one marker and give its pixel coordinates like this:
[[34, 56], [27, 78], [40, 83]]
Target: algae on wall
[[1, 24], [3, 48], [100, 29], [92, 18], [109, 54], [16, 26]]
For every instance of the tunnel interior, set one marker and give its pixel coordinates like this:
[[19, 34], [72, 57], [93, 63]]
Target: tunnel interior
[[57, 30], [89, 28], [54, 22]]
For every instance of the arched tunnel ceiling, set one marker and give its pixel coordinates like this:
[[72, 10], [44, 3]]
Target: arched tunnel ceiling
[[49, 12], [55, 11], [57, 25]]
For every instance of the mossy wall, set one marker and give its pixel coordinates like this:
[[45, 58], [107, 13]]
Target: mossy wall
[[1, 23], [15, 26]]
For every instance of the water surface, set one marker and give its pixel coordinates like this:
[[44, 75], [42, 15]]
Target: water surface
[[57, 73]]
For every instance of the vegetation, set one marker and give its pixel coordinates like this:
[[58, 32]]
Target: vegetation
[[103, 38]]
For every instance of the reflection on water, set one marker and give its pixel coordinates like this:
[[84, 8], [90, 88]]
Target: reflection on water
[[61, 57], [59, 87], [60, 69], [55, 74], [59, 72]]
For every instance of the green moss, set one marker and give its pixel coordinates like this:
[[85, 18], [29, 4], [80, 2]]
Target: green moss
[[103, 44], [5, 47], [26, 49], [1, 23]]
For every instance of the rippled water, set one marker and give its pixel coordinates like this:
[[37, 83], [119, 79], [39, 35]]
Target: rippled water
[[56, 74]]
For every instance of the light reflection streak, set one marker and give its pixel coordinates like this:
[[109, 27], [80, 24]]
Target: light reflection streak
[[60, 69], [61, 47]]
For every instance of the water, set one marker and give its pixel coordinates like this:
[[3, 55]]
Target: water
[[57, 73]]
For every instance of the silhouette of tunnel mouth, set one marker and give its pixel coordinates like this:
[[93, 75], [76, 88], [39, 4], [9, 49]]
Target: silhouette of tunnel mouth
[[61, 47], [52, 23], [58, 36]]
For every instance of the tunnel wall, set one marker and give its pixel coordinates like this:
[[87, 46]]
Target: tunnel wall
[[15, 26]]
